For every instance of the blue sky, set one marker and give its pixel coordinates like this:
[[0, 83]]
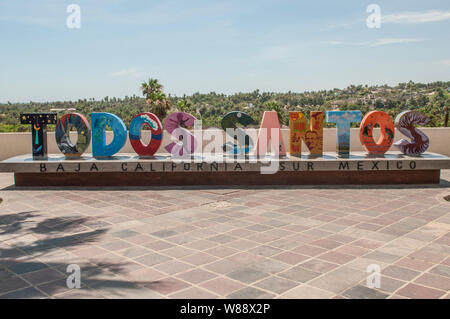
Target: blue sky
[[223, 46]]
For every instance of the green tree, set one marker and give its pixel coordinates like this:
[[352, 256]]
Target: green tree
[[275, 106], [442, 101], [156, 99], [184, 106]]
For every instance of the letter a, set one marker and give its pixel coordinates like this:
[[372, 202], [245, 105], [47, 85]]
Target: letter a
[[270, 130]]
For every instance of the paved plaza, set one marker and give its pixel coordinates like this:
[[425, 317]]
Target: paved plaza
[[259, 242]]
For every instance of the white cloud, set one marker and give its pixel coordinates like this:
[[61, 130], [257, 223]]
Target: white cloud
[[378, 42], [387, 41], [416, 17], [134, 72]]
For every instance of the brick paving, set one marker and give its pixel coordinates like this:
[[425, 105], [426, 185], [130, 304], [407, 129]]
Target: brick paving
[[280, 242]]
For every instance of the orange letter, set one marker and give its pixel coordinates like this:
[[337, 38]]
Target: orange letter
[[387, 132]]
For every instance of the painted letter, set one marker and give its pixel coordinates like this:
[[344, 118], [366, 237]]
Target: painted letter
[[343, 120], [99, 122], [174, 125], [270, 130], [156, 134], [404, 122], [229, 125], [298, 131], [38, 123], [62, 134], [387, 132]]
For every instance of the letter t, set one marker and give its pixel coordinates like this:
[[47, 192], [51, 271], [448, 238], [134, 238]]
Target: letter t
[[343, 120], [38, 123]]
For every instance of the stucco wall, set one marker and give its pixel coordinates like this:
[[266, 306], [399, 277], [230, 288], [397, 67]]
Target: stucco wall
[[12, 144]]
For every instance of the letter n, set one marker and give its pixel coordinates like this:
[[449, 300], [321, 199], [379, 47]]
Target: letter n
[[299, 131]]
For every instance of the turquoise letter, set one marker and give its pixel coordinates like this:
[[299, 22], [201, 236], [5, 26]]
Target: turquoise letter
[[99, 122], [343, 120]]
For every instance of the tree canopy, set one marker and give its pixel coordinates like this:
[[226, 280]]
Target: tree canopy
[[433, 99]]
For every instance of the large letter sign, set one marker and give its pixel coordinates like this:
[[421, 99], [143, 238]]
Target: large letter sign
[[62, 134], [39, 123], [386, 136], [313, 137], [230, 121], [99, 122], [270, 130], [343, 120], [156, 131], [174, 125], [404, 122], [184, 143]]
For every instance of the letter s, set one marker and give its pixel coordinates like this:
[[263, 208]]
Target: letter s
[[404, 122]]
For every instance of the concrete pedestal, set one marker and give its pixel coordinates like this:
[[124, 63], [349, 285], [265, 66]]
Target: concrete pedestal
[[130, 170]]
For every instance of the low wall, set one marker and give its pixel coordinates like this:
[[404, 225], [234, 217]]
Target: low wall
[[13, 144]]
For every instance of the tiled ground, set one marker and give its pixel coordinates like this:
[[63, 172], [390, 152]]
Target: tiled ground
[[291, 242]]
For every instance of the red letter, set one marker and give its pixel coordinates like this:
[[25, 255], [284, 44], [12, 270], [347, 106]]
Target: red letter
[[387, 132]]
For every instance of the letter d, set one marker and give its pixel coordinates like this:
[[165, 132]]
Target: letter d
[[99, 121]]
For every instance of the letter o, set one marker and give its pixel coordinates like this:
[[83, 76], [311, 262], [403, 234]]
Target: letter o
[[62, 134], [135, 132], [387, 132]]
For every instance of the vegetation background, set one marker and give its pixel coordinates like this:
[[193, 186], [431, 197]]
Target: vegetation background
[[433, 99]]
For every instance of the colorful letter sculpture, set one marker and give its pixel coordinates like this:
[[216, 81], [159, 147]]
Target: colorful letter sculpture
[[62, 134], [230, 121], [387, 132], [313, 137], [156, 131], [39, 122], [343, 120], [174, 125], [99, 122], [270, 125], [404, 122], [184, 143]]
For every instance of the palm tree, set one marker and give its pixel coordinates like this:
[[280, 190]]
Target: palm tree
[[151, 87], [184, 106], [156, 99]]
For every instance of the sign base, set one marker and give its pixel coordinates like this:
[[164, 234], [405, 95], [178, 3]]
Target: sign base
[[116, 179], [163, 170]]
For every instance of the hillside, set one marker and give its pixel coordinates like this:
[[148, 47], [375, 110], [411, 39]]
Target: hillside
[[433, 99]]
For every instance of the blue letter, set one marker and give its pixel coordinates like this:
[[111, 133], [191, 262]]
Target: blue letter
[[99, 122], [343, 120]]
